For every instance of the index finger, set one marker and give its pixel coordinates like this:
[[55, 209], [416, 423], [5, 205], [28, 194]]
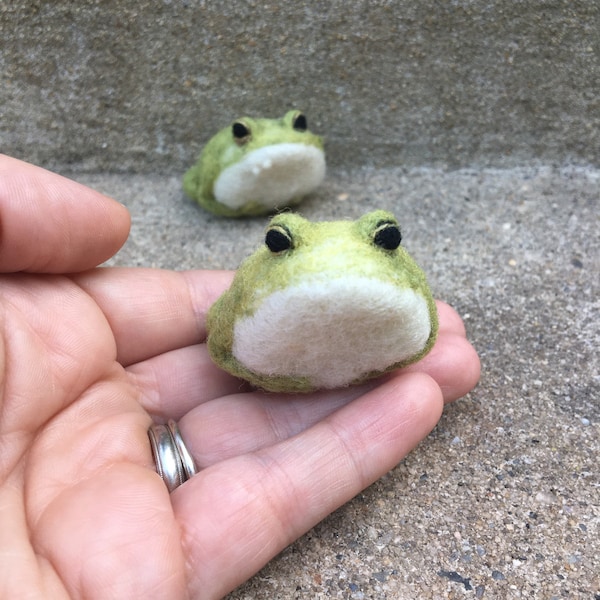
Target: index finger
[[51, 224]]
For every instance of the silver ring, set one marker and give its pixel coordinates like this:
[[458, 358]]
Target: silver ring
[[174, 463]]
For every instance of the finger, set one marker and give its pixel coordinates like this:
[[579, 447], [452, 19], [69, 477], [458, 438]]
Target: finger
[[152, 311], [450, 320], [246, 422], [174, 383], [186, 380], [238, 514], [50, 224], [242, 423], [453, 363]]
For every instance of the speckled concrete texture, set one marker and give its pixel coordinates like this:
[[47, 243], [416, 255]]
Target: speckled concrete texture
[[115, 85], [478, 124], [503, 499]]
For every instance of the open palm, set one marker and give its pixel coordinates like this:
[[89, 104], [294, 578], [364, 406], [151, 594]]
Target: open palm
[[88, 357]]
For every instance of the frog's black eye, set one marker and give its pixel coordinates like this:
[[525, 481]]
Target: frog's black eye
[[299, 123], [241, 133], [387, 235], [278, 239]]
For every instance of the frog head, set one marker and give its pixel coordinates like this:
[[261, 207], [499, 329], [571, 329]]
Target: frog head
[[255, 166], [323, 305]]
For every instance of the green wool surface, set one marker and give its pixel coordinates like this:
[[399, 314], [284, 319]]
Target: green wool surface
[[257, 166], [323, 305]]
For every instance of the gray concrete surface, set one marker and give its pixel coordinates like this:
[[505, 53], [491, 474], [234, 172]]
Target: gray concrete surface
[[115, 85], [503, 499], [478, 124]]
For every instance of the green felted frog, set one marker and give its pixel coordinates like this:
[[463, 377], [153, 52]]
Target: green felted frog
[[323, 305], [256, 166]]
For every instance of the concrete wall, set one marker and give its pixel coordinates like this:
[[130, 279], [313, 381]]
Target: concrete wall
[[118, 85]]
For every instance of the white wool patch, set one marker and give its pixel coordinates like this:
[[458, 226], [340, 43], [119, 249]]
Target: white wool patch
[[333, 331], [272, 176]]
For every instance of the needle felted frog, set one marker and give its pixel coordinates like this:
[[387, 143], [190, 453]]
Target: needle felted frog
[[323, 305], [256, 166]]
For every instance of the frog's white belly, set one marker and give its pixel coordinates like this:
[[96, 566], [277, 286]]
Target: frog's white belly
[[333, 332], [271, 176]]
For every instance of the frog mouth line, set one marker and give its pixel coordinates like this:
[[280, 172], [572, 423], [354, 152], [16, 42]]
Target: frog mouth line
[[333, 333], [271, 176]]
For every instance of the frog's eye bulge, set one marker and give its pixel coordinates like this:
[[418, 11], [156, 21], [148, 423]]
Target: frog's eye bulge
[[300, 123], [387, 235], [241, 133], [347, 304], [278, 238]]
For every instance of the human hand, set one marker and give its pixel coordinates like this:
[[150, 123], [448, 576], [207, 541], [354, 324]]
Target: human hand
[[87, 360]]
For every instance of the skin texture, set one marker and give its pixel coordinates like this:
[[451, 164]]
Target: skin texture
[[224, 150], [326, 250], [88, 357]]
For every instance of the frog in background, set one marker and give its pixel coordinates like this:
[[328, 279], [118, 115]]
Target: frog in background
[[323, 305], [257, 166]]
